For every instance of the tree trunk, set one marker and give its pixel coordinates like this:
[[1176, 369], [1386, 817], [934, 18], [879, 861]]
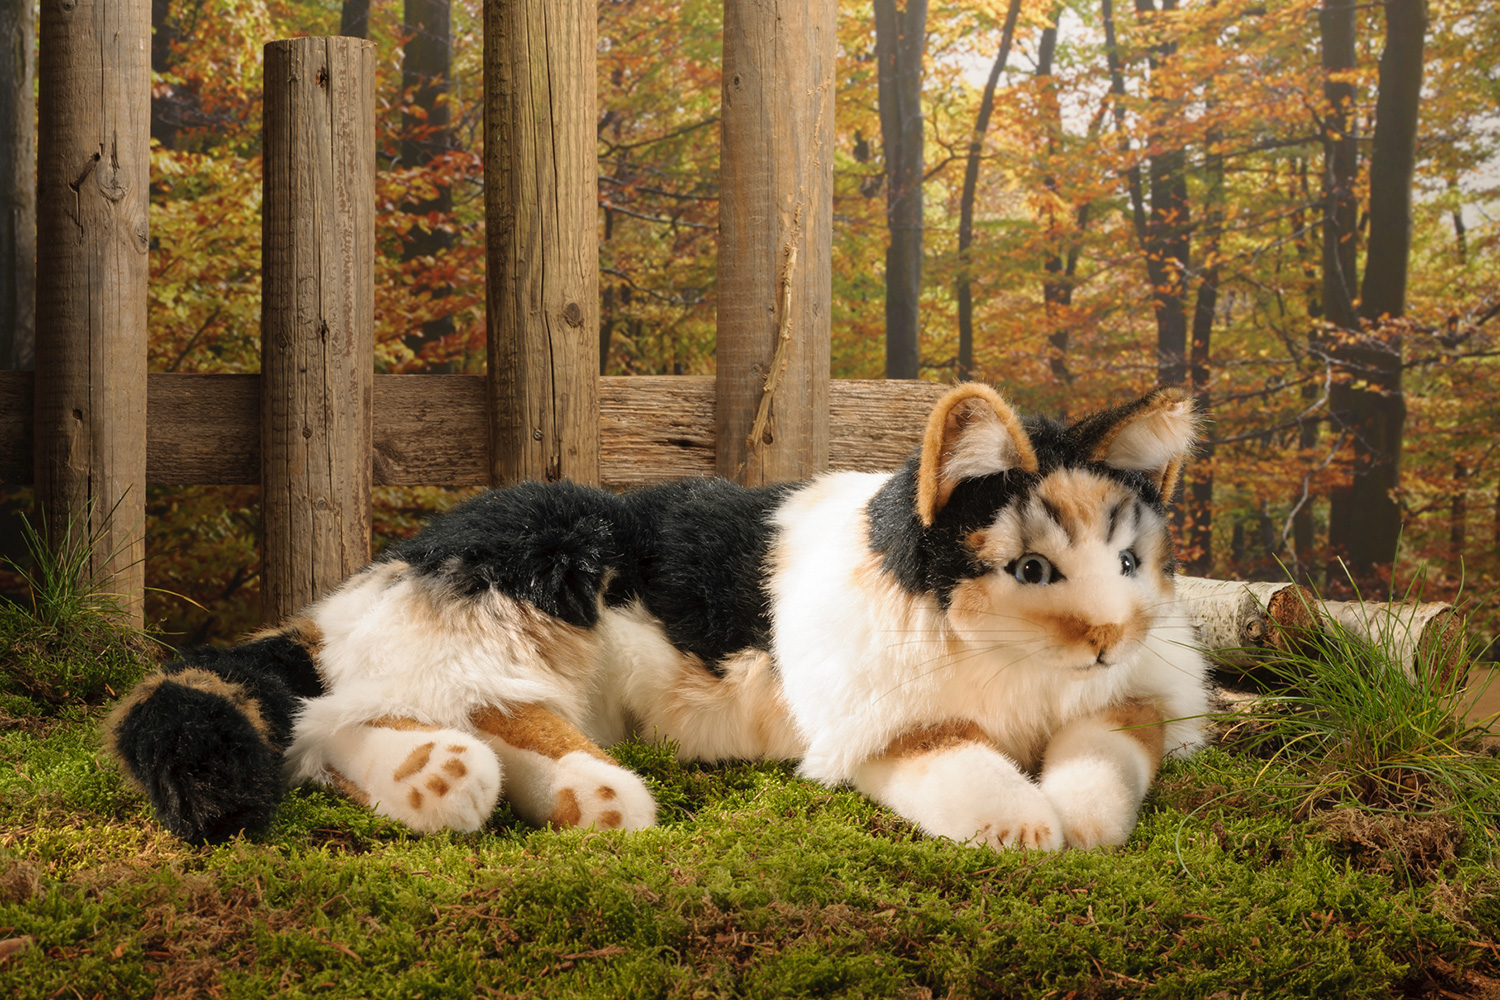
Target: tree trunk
[[1303, 525], [1393, 157], [426, 136], [1241, 625], [1200, 502], [1117, 92], [1062, 259], [18, 185], [1340, 164], [354, 19], [93, 168], [1166, 245], [1365, 516], [970, 189], [900, 38]]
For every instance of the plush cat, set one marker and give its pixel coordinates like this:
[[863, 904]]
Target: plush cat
[[985, 641]]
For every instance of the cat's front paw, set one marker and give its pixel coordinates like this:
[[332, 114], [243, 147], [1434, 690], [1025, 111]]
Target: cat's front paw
[[969, 793], [1094, 804], [1021, 817]]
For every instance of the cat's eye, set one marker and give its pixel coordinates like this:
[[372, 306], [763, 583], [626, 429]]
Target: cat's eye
[[1032, 568], [1129, 562]]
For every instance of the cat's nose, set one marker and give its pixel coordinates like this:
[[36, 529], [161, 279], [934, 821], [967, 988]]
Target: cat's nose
[[1102, 638]]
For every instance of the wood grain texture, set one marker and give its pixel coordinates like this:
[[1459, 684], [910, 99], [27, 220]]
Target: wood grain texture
[[17, 184], [542, 256], [775, 216], [93, 162], [317, 319], [430, 430], [17, 420]]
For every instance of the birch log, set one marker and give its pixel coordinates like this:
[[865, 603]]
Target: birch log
[[1242, 625], [1427, 638]]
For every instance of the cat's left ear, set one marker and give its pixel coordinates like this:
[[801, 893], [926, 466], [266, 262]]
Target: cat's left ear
[[1155, 434], [972, 432]]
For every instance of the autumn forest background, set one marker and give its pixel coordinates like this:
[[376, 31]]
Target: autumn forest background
[[1292, 206]]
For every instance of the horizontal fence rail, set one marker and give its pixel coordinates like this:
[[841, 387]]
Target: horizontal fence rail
[[432, 430]]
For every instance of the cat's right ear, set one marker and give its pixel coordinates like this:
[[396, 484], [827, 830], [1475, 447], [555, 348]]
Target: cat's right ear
[[972, 432]]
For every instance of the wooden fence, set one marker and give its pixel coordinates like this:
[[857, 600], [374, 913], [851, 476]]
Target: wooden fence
[[317, 428]]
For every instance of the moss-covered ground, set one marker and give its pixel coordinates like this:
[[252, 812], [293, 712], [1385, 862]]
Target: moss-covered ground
[[756, 884]]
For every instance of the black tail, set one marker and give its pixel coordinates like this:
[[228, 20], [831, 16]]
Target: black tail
[[203, 737]]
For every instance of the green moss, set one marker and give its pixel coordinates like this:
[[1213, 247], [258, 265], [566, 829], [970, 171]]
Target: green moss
[[82, 659], [757, 884]]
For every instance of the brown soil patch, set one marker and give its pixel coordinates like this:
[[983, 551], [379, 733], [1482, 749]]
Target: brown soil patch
[[1412, 850]]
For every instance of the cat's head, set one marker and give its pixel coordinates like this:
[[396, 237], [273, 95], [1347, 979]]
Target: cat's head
[[1039, 534]]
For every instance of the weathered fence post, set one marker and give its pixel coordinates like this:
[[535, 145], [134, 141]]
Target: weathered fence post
[[17, 185], [92, 170], [541, 218], [775, 239], [317, 317]]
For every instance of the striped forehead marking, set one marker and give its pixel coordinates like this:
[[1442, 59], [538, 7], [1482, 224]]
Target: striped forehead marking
[[1083, 504]]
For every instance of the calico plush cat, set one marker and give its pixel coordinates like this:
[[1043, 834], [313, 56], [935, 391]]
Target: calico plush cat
[[985, 641]]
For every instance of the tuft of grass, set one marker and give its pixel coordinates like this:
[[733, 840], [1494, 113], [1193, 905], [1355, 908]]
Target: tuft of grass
[[70, 645], [1352, 728]]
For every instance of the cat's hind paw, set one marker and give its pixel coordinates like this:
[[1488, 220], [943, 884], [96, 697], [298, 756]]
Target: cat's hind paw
[[588, 792], [429, 779]]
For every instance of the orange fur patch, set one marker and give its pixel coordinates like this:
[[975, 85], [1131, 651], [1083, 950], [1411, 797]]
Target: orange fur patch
[[605, 792], [401, 724], [532, 727], [453, 767], [1142, 722], [415, 798], [352, 791], [610, 820], [437, 786], [566, 811], [1071, 629], [1081, 501], [930, 739], [414, 762]]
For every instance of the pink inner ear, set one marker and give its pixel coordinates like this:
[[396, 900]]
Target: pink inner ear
[[971, 432], [1155, 440]]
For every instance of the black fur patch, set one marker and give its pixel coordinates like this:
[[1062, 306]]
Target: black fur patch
[[549, 545], [693, 552], [207, 771], [702, 563], [276, 671], [934, 559]]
